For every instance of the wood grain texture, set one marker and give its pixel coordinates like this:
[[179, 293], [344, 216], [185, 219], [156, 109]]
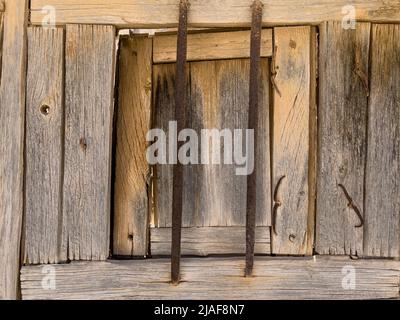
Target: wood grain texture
[[163, 112], [344, 59], [291, 139], [44, 141], [1, 33], [206, 241], [219, 278], [382, 203], [211, 46], [12, 117], [89, 90], [214, 195], [131, 212], [211, 13]]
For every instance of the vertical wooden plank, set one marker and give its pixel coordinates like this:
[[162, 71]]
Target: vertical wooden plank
[[89, 89], [132, 169], [382, 205], [2, 7], [202, 192], [342, 131], [44, 140], [214, 195], [12, 117], [163, 113], [263, 162], [291, 139]]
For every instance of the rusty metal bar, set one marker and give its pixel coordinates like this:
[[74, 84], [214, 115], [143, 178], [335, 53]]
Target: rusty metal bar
[[180, 108], [255, 45]]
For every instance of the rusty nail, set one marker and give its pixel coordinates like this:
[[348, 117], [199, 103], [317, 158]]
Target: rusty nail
[[352, 205], [277, 204]]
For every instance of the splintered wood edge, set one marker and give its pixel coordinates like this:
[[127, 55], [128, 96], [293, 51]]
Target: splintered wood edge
[[210, 13], [318, 277]]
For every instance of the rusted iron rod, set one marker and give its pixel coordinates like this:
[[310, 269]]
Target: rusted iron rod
[[180, 108], [255, 45]]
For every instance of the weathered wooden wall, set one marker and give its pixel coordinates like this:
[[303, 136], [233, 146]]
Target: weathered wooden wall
[[65, 123]]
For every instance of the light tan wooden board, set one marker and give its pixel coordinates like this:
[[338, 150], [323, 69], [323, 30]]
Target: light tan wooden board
[[219, 278], [89, 92], [12, 117], [218, 98], [343, 107], [291, 144], [205, 241], [131, 212], [1, 33], [211, 13], [44, 145], [211, 46], [382, 189]]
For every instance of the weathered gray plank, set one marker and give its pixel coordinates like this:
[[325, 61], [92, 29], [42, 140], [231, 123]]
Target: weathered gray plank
[[12, 116], [382, 205], [131, 212], [211, 13], [343, 109], [89, 90], [44, 140], [205, 241], [291, 144], [211, 46], [219, 278], [214, 195], [163, 112]]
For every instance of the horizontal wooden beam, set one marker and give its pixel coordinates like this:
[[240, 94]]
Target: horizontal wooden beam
[[210, 13], [210, 240], [216, 278], [211, 46]]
